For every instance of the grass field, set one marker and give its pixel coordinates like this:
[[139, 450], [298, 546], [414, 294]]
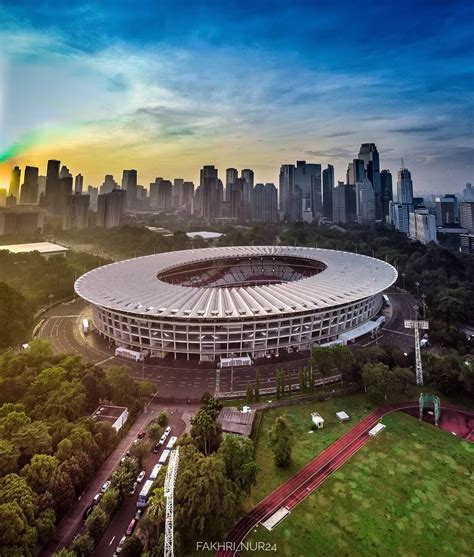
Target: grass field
[[408, 493], [306, 445]]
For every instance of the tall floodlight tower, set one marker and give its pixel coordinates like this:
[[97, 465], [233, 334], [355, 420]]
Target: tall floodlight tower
[[169, 494], [417, 325]]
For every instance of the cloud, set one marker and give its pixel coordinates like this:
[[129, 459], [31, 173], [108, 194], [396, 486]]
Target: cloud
[[416, 129]]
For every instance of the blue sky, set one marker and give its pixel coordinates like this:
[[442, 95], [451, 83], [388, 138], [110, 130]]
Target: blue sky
[[168, 86]]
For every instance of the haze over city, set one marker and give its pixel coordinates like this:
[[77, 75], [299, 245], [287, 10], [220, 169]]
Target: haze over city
[[166, 88]]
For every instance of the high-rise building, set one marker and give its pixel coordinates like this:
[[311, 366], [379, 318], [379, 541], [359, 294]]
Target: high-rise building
[[211, 193], [386, 194], [365, 199], [369, 154], [344, 205], [248, 176], [422, 226], [231, 175], [308, 179], [20, 220], [287, 186], [110, 208], [265, 203], [78, 183], [64, 172], [404, 187], [467, 243], [355, 172], [236, 199], [188, 197], [154, 190], [129, 183], [466, 215], [29, 189], [65, 190], [93, 194], [164, 200], [177, 193], [76, 213], [447, 210], [328, 186], [52, 183], [399, 216], [3, 197], [468, 193], [10, 201], [15, 182], [109, 184]]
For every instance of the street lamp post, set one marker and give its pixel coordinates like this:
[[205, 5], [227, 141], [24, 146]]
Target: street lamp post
[[51, 296], [403, 279], [232, 356], [423, 298], [417, 284]]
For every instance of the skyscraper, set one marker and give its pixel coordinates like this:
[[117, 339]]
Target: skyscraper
[[76, 213], [466, 215], [110, 208], [355, 172], [287, 185], [15, 182], [108, 185], [447, 210], [308, 179], [165, 195], [211, 193], [399, 216], [79, 183], [129, 183], [188, 197], [29, 189], [231, 175], [404, 187], [177, 193], [365, 202], [369, 154], [236, 200], [344, 206], [52, 182], [386, 193], [265, 203], [422, 226], [328, 186]]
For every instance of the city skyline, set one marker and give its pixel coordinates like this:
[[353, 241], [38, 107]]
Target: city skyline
[[167, 89]]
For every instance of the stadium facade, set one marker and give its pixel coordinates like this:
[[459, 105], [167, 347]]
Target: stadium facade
[[213, 303]]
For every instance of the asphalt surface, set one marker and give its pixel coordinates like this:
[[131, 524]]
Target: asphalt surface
[[73, 523], [304, 482], [62, 326]]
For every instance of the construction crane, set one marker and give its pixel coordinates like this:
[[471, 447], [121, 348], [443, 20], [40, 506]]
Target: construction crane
[[169, 495], [417, 325]]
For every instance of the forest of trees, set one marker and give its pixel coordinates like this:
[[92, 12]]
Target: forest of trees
[[49, 446]]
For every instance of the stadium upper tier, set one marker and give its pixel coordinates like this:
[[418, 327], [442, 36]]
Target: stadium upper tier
[[235, 282]]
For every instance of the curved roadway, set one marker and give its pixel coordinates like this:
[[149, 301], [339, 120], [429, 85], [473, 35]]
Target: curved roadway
[[304, 482]]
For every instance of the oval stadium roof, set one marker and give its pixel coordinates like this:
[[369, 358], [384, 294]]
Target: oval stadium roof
[[132, 285]]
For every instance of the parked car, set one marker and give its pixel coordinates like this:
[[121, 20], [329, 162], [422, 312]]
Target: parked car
[[97, 498], [167, 431], [138, 514], [119, 548], [87, 512], [157, 447], [141, 476], [133, 488], [131, 527], [141, 435], [105, 487]]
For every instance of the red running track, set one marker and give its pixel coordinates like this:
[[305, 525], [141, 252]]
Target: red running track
[[304, 482]]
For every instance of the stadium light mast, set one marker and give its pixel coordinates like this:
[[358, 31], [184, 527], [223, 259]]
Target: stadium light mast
[[417, 325], [169, 494]]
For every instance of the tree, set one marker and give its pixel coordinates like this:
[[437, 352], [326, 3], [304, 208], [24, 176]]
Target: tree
[[281, 441], [67, 401], [205, 431], [39, 473], [257, 386], [110, 501], [83, 546], [249, 394], [9, 455], [240, 465], [122, 385], [45, 525], [33, 438], [132, 547], [322, 359], [162, 418], [15, 317], [63, 491], [96, 524], [140, 450], [17, 537], [124, 477]]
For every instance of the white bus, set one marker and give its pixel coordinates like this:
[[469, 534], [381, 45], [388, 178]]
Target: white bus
[[155, 472], [171, 442], [129, 354], [386, 301], [235, 362], [85, 326], [164, 456], [142, 500]]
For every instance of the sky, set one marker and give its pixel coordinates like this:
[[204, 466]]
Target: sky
[[167, 86]]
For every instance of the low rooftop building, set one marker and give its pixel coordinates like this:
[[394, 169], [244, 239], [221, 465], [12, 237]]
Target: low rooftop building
[[115, 415], [232, 420], [46, 249]]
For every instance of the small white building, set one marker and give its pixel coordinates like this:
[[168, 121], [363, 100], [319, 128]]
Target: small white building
[[115, 415], [318, 420], [342, 416]]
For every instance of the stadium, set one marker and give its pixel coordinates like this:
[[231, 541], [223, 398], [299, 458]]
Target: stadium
[[256, 301]]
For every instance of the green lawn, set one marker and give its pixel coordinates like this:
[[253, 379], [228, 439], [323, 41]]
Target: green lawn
[[408, 493], [306, 445]]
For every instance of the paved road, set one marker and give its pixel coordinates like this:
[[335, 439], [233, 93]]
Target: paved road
[[62, 327], [121, 520], [304, 482], [72, 523]]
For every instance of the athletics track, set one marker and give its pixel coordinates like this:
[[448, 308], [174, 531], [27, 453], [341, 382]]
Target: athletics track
[[304, 482]]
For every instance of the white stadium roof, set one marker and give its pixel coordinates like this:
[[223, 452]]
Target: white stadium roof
[[132, 285]]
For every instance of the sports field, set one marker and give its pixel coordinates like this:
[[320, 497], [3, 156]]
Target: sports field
[[306, 445], [408, 493]]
